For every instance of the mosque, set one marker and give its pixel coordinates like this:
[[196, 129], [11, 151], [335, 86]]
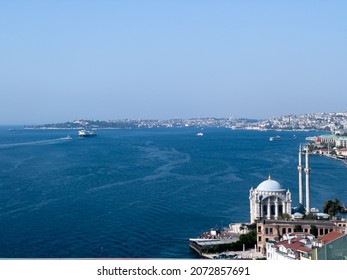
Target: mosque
[[270, 199]]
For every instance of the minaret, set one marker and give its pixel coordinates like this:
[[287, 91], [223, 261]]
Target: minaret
[[307, 171], [251, 201], [300, 177]]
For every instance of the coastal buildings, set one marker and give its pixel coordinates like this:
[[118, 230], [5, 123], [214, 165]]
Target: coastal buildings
[[274, 231], [303, 246], [330, 144], [282, 233], [330, 122], [294, 246]]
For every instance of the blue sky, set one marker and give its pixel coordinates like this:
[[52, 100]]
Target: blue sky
[[64, 60]]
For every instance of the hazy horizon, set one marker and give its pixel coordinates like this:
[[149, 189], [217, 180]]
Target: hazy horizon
[[68, 60]]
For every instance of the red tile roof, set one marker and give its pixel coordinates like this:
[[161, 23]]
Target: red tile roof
[[294, 244], [331, 236]]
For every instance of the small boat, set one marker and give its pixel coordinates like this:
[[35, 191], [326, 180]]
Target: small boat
[[199, 134], [275, 138], [311, 138], [68, 137], [86, 133]]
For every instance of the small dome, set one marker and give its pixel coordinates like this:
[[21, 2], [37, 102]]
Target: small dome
[[269, 185]]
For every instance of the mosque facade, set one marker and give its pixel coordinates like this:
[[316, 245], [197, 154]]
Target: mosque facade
[[269, 200]]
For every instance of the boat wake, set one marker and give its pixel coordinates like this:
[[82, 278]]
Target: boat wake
[[30, 143]]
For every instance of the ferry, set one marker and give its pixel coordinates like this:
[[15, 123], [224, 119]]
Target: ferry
[[86, 133], [275, 138]]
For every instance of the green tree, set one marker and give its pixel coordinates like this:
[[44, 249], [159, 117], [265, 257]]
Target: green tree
[[298, 228], [249, 239], [332, 207]]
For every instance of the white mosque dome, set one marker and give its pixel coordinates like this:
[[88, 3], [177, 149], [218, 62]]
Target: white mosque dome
[[270, 185]]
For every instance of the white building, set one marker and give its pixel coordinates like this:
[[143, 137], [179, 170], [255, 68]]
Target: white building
[[297, 246], [238, 228], [341, 142], [269, 200]]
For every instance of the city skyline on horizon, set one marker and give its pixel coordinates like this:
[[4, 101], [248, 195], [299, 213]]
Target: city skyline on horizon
[[189, 59], [172, 119], [335, 122]]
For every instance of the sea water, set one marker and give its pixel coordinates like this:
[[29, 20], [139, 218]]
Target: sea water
[[140, 193]]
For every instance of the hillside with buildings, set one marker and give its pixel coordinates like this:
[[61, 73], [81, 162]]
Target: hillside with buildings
[[330, 122]]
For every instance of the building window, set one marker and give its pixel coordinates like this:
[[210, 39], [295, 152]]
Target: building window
[[259, 228], [284, 230], [266, 231], [271, 232], [272, 209], [280, 209], [289, 230], [259, 238]]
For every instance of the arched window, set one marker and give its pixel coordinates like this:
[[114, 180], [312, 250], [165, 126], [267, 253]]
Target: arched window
[[280, 209], [264, 210], [272, 210]]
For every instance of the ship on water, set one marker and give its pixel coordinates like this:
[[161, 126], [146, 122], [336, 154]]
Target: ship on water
[[86, 133], [275, 138]]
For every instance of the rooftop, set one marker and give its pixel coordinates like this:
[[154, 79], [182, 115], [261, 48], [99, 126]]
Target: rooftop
[[331, 236]]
